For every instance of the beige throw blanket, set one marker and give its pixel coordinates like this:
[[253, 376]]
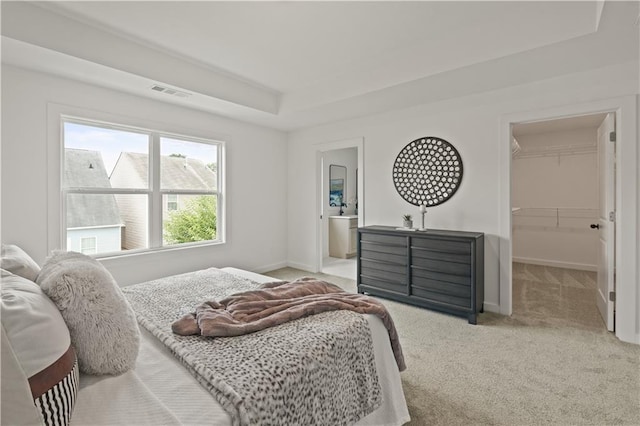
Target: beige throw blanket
[[279, 302]]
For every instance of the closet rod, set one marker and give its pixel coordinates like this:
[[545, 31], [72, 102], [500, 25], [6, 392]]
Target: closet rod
[[553, 151]]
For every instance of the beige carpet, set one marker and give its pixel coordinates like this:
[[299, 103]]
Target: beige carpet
[[528, 369]]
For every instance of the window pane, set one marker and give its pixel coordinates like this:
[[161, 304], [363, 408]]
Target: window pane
[[97, 157], [188, 165], [195, 219], [134, 211], [119, 222]]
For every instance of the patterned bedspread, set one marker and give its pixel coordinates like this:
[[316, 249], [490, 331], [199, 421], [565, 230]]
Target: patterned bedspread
[[318, 370]]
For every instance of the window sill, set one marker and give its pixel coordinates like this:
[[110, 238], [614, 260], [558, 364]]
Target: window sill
[[144, 252]]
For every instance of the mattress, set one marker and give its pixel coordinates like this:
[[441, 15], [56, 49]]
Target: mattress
[[160, 391]]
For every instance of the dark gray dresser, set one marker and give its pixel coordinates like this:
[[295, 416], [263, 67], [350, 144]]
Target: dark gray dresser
[[436, 269]]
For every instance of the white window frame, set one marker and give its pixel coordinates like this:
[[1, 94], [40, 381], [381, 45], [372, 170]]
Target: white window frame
[[153, 192], [95, 244]]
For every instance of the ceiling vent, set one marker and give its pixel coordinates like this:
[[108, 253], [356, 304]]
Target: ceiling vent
[[169, 91]]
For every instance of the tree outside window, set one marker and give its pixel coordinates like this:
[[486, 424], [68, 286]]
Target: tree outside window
[[196, 221]]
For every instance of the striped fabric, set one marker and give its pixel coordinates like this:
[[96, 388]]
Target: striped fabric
[[56, 405]]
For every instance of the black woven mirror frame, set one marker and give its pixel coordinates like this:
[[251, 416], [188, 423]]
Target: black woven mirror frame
[[428, 171]]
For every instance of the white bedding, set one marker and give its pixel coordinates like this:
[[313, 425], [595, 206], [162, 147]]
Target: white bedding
[[161, 391]]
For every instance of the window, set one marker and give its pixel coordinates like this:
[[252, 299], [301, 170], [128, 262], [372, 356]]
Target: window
[[138, 188], [172, 202], [88, 245]]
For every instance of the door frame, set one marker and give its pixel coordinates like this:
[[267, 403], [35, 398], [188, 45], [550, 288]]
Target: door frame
[[627, 324], [321, 148]]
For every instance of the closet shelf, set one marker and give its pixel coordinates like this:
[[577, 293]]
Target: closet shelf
[[561, 212], [554, 218], [558, 150], [562, 229]]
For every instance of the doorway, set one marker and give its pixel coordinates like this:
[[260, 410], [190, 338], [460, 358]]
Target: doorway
[[626, 204], [340, 205], [555, 196]]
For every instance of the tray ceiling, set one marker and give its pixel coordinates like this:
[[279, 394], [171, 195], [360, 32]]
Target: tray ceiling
[[295, 64]]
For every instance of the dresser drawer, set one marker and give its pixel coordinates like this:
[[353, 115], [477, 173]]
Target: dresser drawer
[[441, 287], [384, 239], [420, 253], [463, 302], [382, 248], [389, 285], [443, 246], [376, 267], [399, 259], [439, 276], [452, 268]]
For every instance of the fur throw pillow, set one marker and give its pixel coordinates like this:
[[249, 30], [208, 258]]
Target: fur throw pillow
[[101, 322]]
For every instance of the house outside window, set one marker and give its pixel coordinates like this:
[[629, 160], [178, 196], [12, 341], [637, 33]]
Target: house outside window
[[143, 189]]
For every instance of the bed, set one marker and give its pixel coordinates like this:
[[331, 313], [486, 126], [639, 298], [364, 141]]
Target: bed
[[185, 401], [160, 389]]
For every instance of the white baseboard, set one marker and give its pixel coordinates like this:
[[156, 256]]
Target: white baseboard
[[629, 338], [491, 307], [556, 264], [302, 266], [268, 268]]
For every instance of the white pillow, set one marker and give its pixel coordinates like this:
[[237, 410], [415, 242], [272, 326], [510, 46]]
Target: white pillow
[[16, 261], [102, 324], [39, 367], [33, 324]]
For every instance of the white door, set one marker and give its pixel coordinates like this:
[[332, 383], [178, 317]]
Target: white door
[[606, 224]]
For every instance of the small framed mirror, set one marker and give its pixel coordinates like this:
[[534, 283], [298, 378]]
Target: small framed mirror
[[337, 185]]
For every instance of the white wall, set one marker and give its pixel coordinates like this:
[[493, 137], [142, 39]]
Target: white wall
[[564, 181], [256, 163], [473, 125]]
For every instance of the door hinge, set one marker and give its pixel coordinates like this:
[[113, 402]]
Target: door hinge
[[612, 296], [612, 216], [612, 136]]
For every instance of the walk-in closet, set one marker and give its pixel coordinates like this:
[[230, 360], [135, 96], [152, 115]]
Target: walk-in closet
[[555, 202]]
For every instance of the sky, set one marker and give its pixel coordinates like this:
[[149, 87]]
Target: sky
[[110, 143]]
